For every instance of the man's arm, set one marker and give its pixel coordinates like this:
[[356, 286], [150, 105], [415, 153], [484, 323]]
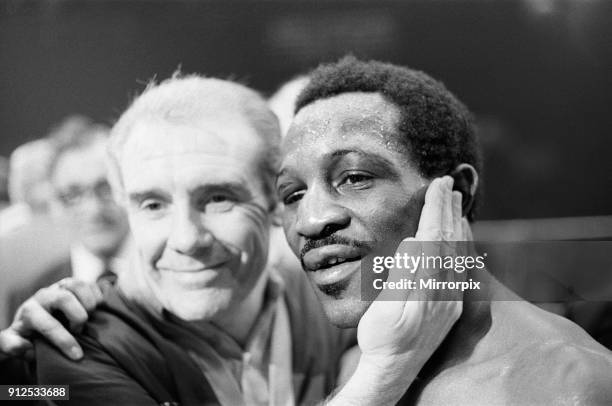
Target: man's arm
[[72, 298]]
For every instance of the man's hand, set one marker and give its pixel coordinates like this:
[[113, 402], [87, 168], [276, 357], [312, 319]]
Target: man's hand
[[398, 334], [73, 298], [396, 326]]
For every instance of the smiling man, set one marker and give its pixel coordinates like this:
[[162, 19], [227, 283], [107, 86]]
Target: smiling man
[[366, 139]]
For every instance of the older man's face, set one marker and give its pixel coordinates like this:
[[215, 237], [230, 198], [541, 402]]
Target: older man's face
[[198, 212], [347, 187], [80, 182]]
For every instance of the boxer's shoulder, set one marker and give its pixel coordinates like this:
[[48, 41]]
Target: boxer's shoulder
[[554, 360], [552, 372], [537, 358], [559, 371]]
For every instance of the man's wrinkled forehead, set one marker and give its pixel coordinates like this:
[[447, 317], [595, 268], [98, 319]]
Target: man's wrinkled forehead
[[207, 137], [365, 113]]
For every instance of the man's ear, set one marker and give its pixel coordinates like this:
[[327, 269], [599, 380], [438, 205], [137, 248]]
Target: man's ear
[[466, 182]]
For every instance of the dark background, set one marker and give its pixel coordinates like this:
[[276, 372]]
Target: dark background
[[536, 73]]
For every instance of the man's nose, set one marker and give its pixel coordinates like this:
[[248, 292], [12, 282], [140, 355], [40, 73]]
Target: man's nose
[[93, 205], [319, 215], [189, 234]]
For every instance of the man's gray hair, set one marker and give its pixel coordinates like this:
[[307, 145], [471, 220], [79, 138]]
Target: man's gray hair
[[187, 99]]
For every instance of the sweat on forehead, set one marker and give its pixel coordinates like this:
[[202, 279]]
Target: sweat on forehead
[[435, 125], [364, 113]]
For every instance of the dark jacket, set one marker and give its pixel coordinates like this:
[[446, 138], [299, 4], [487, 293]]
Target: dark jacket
[[132, 358]]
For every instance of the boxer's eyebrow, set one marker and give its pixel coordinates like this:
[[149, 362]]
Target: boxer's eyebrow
[[378, 161], [340, 153]]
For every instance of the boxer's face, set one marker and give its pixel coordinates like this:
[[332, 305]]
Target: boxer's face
[[198, 212], [346, 184]]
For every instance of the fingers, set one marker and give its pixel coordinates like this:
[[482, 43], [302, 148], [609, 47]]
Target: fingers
[[411, 247], [73, 298], [457, 219], [13, 344], [56, 298], [431, 215], [32, 317], [467, 231], [447, 226], [436, 222], [89, 295]]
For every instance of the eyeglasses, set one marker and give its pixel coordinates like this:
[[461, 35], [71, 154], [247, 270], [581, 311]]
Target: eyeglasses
[[76, 195]]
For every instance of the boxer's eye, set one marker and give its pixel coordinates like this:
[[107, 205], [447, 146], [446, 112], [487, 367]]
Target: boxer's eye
[[293, 197], [356, 180]]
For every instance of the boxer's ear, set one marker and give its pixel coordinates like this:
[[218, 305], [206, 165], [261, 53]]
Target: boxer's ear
[[466, 182]]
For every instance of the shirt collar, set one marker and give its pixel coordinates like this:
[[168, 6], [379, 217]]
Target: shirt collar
[[88, 267], [190, 334]]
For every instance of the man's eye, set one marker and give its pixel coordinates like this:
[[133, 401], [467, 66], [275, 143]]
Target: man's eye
[[219, 198], [151, 205], [356, 179], [293, 197], [219, 203]]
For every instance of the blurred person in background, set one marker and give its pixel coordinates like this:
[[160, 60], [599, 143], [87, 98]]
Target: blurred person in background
[[282, 104], [28, 186], [82, 200], [26, 224]]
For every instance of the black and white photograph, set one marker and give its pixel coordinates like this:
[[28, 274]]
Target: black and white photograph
[[291, 202]]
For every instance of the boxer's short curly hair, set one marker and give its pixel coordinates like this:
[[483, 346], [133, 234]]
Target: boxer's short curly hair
[[436, 128]]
